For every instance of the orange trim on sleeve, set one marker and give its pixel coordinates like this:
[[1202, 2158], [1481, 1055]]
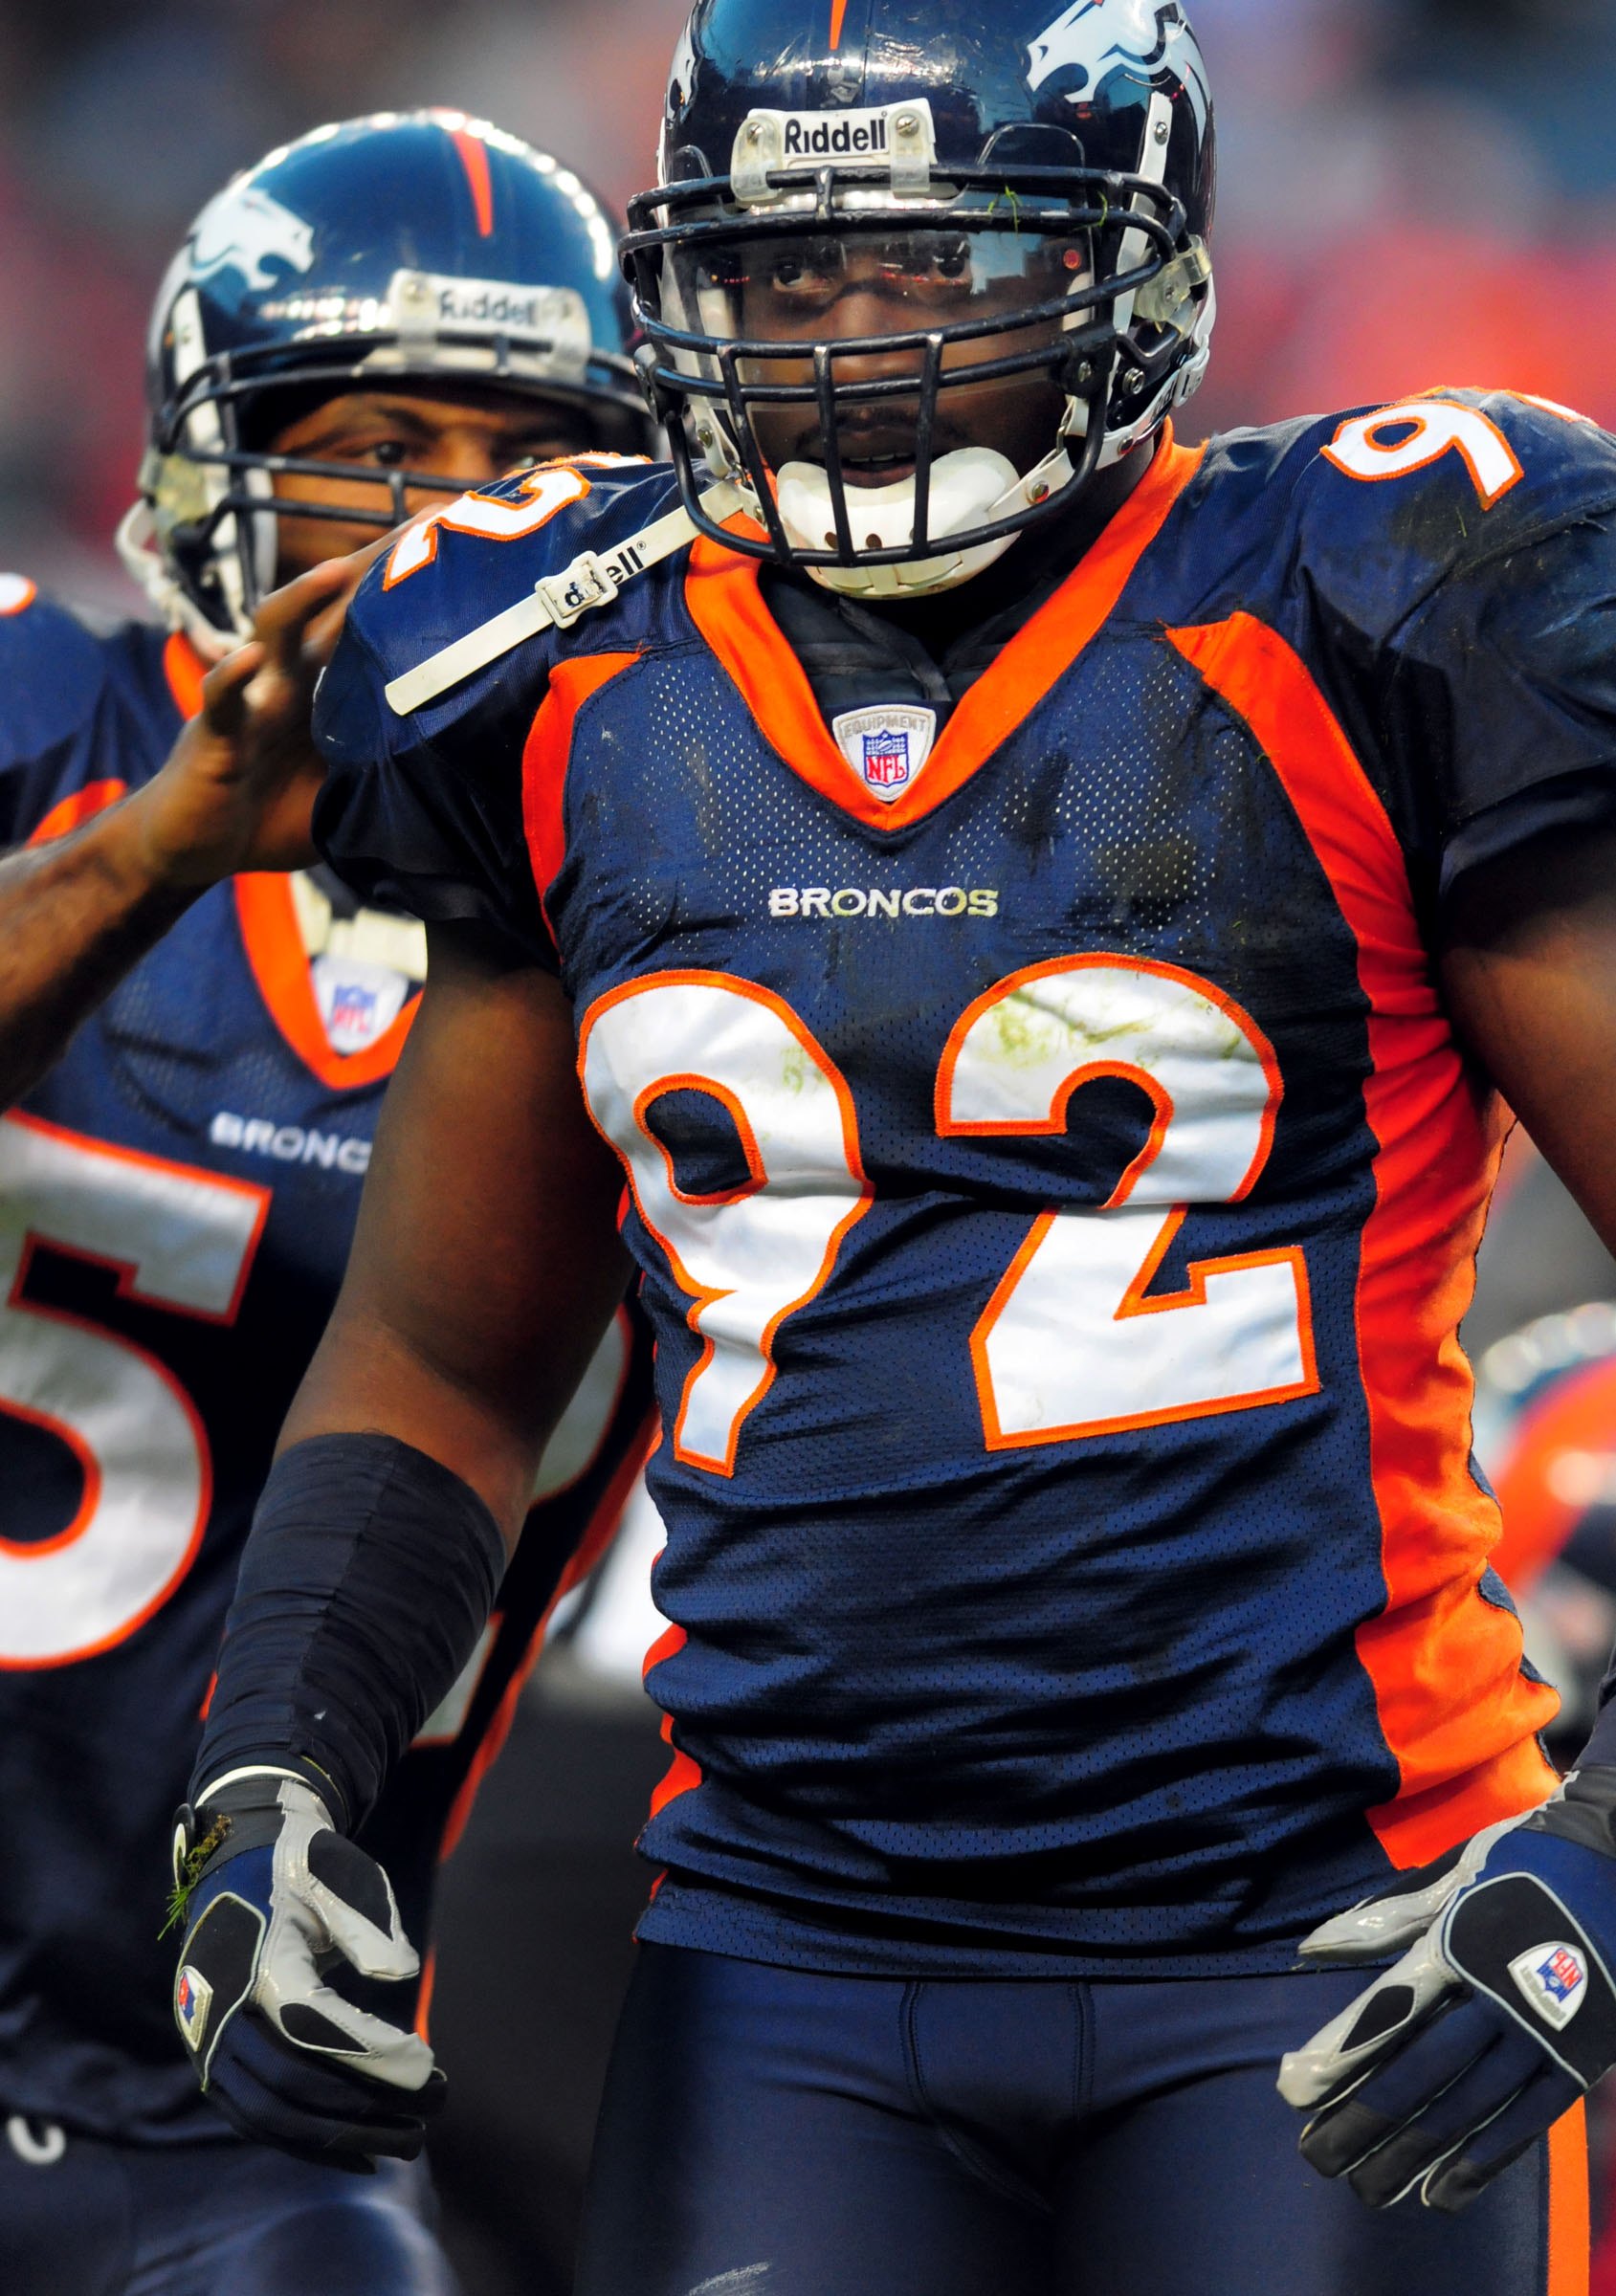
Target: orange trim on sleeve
[[75, 810], [1576, 1415], [270, 932], [1458, 1716], [727, 608], [1569, 2227], [545, 756]]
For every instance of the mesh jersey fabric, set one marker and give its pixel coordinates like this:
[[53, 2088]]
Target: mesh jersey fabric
[[177, 1200], [985, 1645]]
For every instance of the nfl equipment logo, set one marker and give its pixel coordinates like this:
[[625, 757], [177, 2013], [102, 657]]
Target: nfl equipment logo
[[1554, 1978], [353, 1008], [193, 1997], [886, 759], [1562, 1973], [886, 747]]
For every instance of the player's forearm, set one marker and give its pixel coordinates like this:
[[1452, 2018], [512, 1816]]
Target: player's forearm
[[486, 1264], [1529, 972], [365, 1377], [74, 915]]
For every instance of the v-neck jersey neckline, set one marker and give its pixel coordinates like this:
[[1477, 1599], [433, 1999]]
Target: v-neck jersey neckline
[[725, 601], [273, 942]]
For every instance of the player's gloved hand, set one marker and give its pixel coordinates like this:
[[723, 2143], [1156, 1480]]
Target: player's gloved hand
[[271, 1896], [1489, 2028]]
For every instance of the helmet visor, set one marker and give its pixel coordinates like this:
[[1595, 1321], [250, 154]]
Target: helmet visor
[[872, 350]]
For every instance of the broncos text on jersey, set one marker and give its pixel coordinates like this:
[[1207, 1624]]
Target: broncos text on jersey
[[177, 1201], [1056, 1186]]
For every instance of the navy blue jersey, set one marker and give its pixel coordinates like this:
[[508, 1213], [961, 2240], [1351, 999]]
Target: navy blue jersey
[[1054, 1179], [177, 1201]]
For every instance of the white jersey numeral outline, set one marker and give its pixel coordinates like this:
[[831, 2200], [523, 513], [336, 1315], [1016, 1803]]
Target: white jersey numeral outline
[[1069, 1346], [750, 1257], [546, 490], [181, 1239], [1433, 428]]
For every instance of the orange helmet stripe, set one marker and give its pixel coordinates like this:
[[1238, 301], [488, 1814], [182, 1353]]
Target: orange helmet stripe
[[474, 158]]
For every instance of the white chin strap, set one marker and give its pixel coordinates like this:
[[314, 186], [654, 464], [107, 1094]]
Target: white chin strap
[[973, 486]]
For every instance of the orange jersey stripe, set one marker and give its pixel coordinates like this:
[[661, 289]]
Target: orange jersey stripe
[[1569, 2234], [1457, 1714], [546, 755], [184, 669], [73, 813]]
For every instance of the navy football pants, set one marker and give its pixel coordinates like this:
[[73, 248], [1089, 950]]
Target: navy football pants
[[771, 2132], [83, 2218]]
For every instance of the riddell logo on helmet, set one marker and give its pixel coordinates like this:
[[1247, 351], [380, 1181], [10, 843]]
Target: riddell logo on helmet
[[840, 136], [480, 303]]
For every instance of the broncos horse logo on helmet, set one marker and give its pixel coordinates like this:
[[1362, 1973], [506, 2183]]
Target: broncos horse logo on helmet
[[1035, 195], [245, 229], [1094, 36], [409, 248]]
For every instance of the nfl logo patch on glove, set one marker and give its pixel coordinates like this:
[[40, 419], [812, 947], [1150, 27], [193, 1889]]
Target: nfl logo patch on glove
[[1554, 1978], [193, 1998]]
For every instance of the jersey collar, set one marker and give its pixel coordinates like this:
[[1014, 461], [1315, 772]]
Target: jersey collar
[[184, 669], [726, 602], [270, 933]]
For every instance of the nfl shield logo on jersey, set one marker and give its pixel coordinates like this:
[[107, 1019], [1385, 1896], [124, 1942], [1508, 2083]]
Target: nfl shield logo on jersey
[[886, 759], [193, 1998], [1555, 1980], [353, 1009], [886, 747]]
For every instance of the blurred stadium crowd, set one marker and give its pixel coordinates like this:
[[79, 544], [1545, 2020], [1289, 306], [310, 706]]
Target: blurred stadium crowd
[[1413, 192]]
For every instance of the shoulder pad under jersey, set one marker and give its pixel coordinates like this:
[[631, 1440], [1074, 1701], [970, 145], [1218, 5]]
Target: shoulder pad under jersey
[[79, 704], [462, 571], [53, 669], [1394, 502]]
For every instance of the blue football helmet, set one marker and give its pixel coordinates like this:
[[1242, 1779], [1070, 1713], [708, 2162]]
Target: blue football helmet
[[1029, 186], [416, 247]]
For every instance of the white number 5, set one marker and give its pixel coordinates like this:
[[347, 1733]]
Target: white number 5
[[181, 1239]]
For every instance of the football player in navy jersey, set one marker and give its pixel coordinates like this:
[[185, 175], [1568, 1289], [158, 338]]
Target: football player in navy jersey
[[1042, 919], [362, 326]]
